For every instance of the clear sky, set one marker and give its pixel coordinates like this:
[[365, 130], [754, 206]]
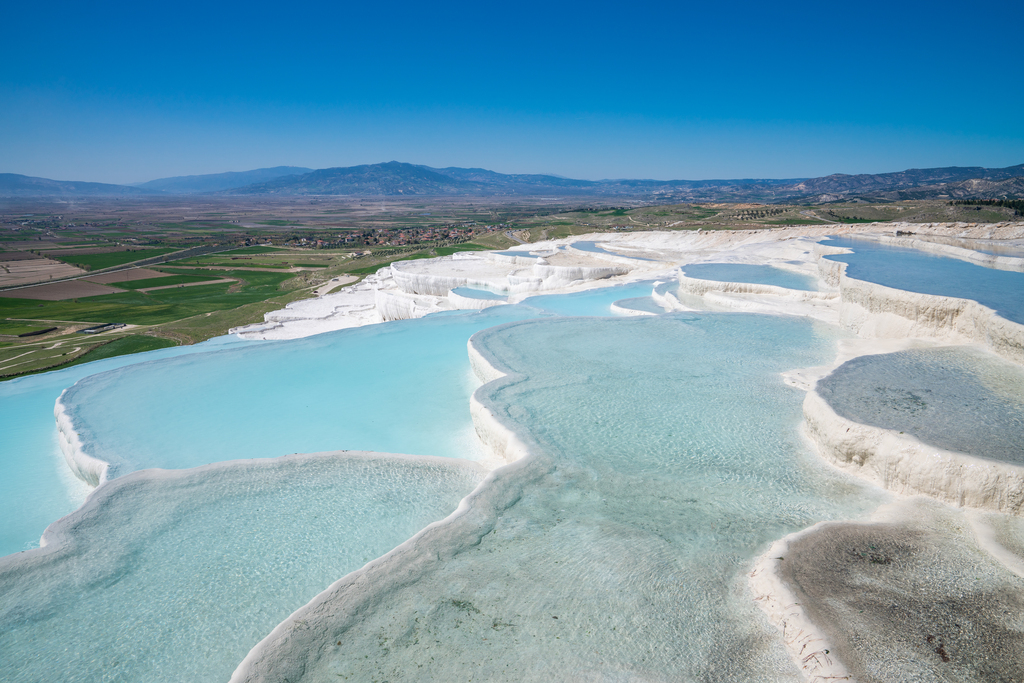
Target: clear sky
[[129, 92]]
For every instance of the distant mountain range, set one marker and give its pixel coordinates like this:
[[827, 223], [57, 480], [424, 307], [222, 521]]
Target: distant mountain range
[[14, 185], [217, 182], [396, 179], [399, 179]]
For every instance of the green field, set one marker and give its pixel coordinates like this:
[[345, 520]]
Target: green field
[[166, 281], [467, 246], [133, 343], [114, 258], [216, 262], [150, 308], [369, 270], [16, 327], [251, 250]]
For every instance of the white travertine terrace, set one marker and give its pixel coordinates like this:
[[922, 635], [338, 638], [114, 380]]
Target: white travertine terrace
[[341, 604], [887, 317], [411, 289], [998, 262], [903, 464], [873, 310]]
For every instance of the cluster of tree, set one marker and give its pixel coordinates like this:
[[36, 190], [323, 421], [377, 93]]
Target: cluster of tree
[[754, 214], [1016, 204]]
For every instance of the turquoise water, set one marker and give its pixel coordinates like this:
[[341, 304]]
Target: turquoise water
[[641, 303], [917, 271], [176, 580], [752, 274], [475, 293], [594, 249], [400, 387], [673, 459], [592, 302], [991, 247], [36, 486]]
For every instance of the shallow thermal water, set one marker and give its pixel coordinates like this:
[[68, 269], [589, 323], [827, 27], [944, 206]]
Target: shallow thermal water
[[752, 274], [476, 293], [917, 271], [399, 387], [36, 485], [957, 398], [177, 579], [591, 302], [672, 460], [643, 304], [991, 247], [594, 249]]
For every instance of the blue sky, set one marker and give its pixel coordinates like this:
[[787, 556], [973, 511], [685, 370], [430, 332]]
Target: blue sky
[[119, 92]]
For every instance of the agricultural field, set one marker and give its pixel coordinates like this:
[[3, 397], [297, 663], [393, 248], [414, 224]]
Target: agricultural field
[[101, 260]]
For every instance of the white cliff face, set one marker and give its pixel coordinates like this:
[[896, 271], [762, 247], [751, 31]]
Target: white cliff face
[[903, 464], [92, 471], [873, 310]]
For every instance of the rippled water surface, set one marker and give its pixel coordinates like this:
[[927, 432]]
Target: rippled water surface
[[750, 273], [176, 580], [398, 387], [36, 485], [674, 460]]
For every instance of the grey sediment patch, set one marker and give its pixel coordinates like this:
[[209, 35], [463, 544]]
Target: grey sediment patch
[[909, 601], [957, 398]]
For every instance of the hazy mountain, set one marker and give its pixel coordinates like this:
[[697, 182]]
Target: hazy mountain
[[396, 178], [400, 179], [15, 185], [975, 188], [391, 179], [216, 182], [517, 183], [916, 177]]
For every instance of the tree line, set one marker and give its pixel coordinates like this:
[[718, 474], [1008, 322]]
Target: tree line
[[1016, 204]]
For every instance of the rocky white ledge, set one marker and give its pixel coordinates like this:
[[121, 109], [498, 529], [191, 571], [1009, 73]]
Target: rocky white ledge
[[304, 637], [901, 463], [92, 471], [873, 310], [808, 646]]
